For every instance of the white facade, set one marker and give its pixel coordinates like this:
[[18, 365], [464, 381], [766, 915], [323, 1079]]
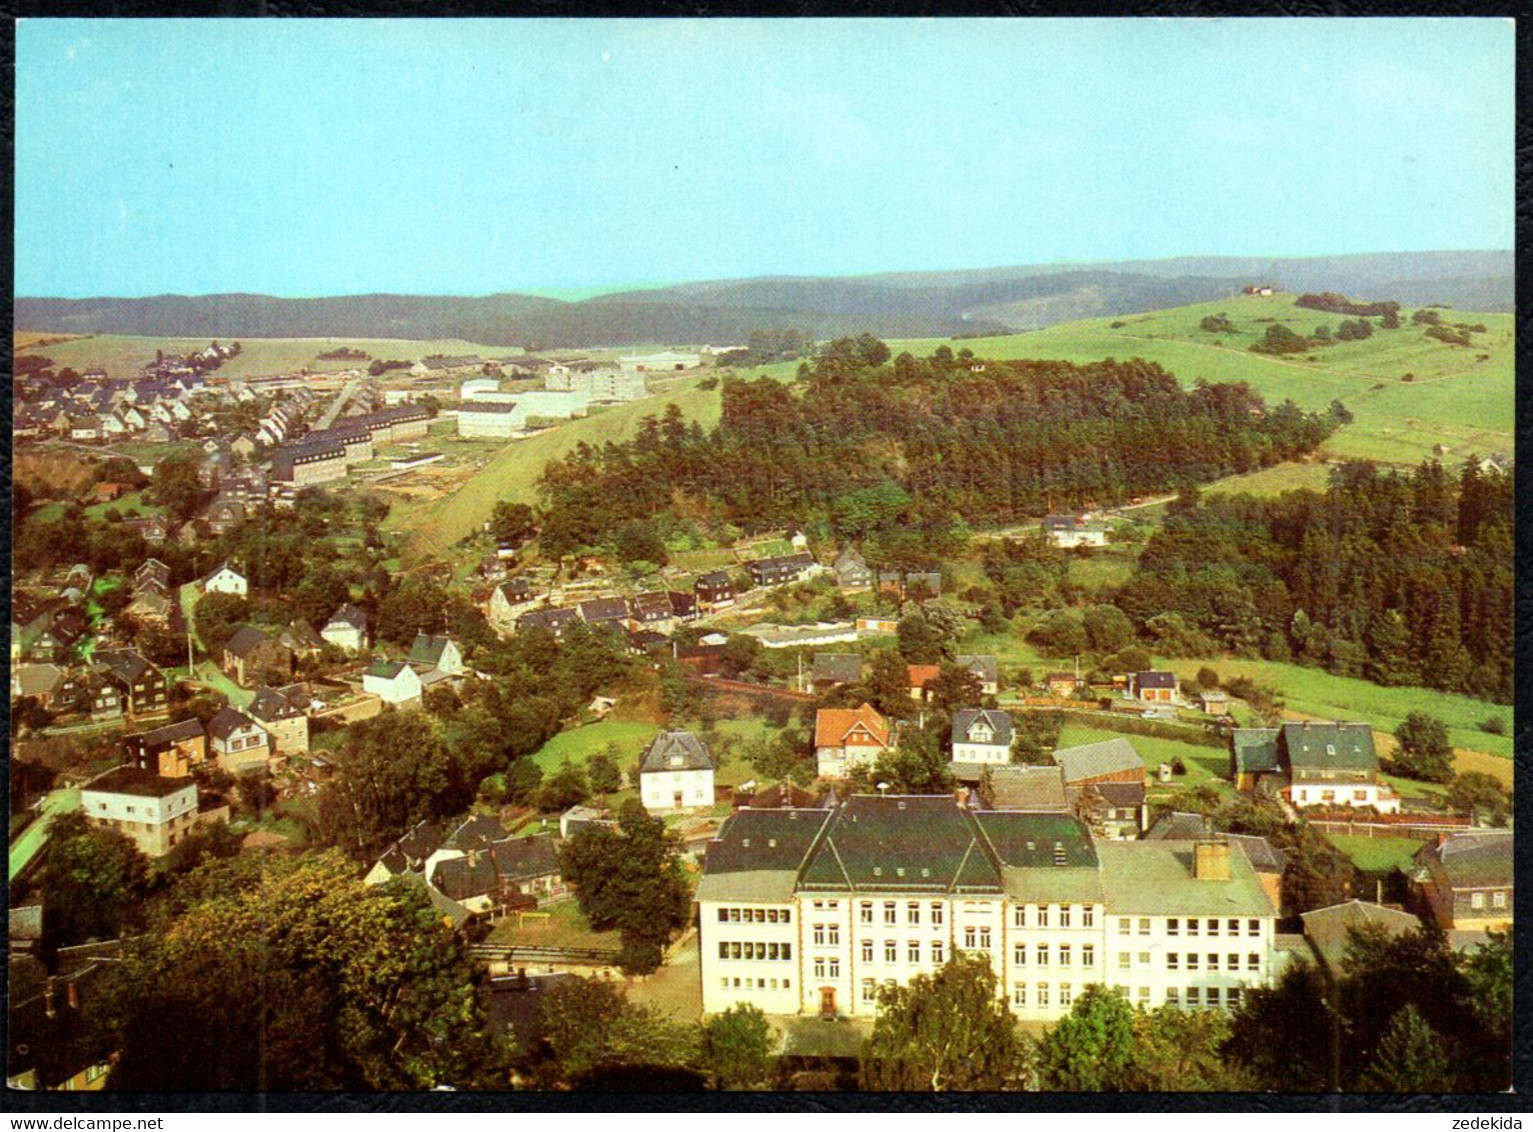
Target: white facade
[[475, 387], [1352, 794], [107, 805], [609, 383], [490, 420], [665, 790], [225, 580], [667, 360], [403, 687], [1080, 536], [978, 745], [554, 403]]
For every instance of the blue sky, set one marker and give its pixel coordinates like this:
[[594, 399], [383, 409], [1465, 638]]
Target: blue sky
[[465, 157]]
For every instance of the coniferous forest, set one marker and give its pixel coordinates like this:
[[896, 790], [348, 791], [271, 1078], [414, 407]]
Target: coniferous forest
[[863, 443]]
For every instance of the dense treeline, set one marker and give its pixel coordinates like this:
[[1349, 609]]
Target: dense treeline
[[1397, 577], [863, 445], [1340, 304]]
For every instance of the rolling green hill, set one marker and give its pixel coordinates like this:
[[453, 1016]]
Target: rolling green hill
[[1459, 397]]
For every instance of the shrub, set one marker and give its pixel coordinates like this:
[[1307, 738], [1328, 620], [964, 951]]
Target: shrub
[[1494, 725], [1178, 767]]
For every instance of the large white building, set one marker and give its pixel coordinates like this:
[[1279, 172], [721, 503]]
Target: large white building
[[812, 911], [554, 403], [491, 419], [155, 813], [665, 361], [599, 383]]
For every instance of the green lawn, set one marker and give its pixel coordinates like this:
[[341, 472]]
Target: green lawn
[[1453, 399], [1204, 764], [130, 501], [31, 842], [1315, 692], [555, 925], [580, 743], [1376, 854], [1274, 480]]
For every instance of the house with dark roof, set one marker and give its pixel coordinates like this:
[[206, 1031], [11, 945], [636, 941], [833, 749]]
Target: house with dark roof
[[1105, 784], [1313, 763], [651, 610], [155, 813], [1464, 881], [604, 611], [39, 681], [238, 742], [982, 736], [852, 573], [1153, 687], [170, 751], [1328, 931], [347, 628], [676, 773], [254, 657], [283, 718], [554, 620], [985, 669], [509, 599], [225, 579], [831, 669], [714, 590], [781, 569], [145, 689], [845, 738], [437, 653]]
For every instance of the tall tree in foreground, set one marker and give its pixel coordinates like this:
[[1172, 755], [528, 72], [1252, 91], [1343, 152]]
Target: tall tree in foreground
[[1411, 1058], [299, 977], [945, 1032], [630, 879], [736, 1048], [1091, 1049]]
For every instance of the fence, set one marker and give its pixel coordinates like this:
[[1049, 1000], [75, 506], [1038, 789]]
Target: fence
[[538, 953], [1392, 825]]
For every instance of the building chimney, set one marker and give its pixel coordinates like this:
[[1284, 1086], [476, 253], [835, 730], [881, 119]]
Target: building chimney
[[1211, 859]]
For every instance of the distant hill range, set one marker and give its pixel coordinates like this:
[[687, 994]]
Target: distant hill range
[[912, 304]]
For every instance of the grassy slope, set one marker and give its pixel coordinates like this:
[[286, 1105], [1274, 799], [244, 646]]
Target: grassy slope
[[1454, 399], [123, 356], [513, 472]]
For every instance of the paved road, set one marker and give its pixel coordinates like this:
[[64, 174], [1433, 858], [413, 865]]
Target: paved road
[[339, 404], [31, 842]]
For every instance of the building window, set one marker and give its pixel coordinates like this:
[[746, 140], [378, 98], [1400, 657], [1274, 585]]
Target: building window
[[1174, 926], [833, 934], [1123, 925], [1477, 900], [1064, 955], [1064, 994], [1192, 960], [1173, 960], [1144, 958], [867, 951], [1193, 997], [913, 951], [819, 968], [1213, 927], [1173, 996], [787, 951], [1192, 927], [937, 950], [891, 951], [1019, 916], [819, 935], [734, 915], [1213, 960], [833, 968], [1232, 927], [1213, 996], [1043, 994], [1254, 961], [865, 912], [1064, 915], [1232, 998], [984, 939], [723, 915], [869, 990], [1019, 954], [889, 916], [912, 913], [968, 936], [1019, 996], [1088, 917], [1123, 960], [1144, 925], [1253, 927], [1041, 914], [1043, 955], [1498, 899]]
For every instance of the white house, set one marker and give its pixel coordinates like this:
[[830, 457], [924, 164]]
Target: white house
[[393, 681], [982, 735], [347, 628], [155, 813], [239, 743], [676, 773], [438, 653], [497, 420], [226, 580], [1068, 532]]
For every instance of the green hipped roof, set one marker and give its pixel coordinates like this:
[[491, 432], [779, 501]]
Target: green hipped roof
[[1330, 746], [900, 843], [1154, 878], [1255, 750]]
